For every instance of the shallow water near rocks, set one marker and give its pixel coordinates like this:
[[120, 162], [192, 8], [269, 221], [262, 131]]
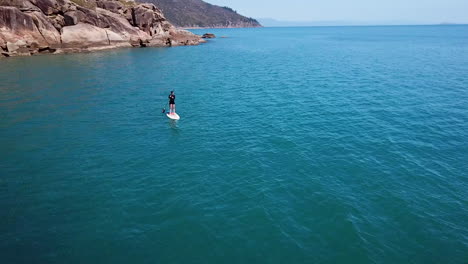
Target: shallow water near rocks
[[295, 145]]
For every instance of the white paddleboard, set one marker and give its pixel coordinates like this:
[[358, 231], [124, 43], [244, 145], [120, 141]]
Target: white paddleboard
[[174, 116]]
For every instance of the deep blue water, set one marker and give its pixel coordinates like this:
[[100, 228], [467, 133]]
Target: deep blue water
[[295, 145]]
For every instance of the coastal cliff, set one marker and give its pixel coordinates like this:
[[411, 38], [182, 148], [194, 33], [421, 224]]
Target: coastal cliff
[[29, 27], [199, 14]]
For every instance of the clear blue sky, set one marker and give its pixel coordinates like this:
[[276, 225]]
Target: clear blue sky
[[418, 11]]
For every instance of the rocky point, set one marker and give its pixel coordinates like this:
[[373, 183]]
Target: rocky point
[[30, 27]]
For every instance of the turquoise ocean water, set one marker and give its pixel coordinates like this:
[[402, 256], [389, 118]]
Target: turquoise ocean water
[[295, 145]]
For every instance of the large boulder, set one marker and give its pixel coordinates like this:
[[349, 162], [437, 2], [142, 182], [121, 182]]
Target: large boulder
[[117, 40], [81, 14], [84, 35], [120, 25], [18, 48], [15, 21], [22, 5], [175, 37], [47, 30], [209, 35], [58, 21], [184, 38], [88, 37], [19, 31], [113, 6], [91, 17], [65, 6], [19, 45], [146, 17], [49, 7], [73, 17]]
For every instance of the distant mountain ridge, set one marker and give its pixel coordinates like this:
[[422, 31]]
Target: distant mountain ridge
[[197, 13]]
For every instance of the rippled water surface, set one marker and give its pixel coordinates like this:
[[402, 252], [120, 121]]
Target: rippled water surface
[[295, 145]]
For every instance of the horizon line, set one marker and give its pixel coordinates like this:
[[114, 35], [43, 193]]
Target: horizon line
[[299, 26], [372, 25], [361, 22]]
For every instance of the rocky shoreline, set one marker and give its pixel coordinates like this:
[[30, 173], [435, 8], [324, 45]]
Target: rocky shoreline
[[29, 27]]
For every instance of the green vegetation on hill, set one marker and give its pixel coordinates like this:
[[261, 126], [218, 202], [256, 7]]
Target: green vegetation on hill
[[196, 13]]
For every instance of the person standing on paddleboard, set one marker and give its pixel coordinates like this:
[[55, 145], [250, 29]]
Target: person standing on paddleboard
[[172, 103]]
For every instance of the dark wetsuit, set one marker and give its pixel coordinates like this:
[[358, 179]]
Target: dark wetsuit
[[172, 99]]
